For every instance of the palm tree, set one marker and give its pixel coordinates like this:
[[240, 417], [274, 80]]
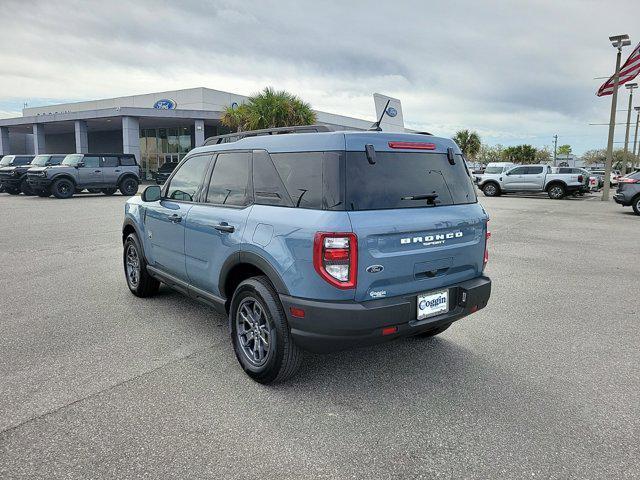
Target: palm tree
[[469, 143], [269, 109]]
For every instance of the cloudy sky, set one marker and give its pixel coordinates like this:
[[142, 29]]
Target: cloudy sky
[[515, 71]]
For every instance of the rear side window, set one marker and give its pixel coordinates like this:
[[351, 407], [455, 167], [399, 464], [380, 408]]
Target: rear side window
[[110, 161], [312, 179], [186, 182], [396, 176], [268, 188], [635, 176], [533, 170], [128, 161], [230, 183]]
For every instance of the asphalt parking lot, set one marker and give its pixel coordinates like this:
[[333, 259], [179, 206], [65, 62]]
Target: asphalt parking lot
[[544, 382]]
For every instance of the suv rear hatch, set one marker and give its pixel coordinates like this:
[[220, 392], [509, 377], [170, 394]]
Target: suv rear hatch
[[407, 243]]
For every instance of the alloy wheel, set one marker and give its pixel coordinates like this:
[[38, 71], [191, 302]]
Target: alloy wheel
[[133, 266], [253, 331]]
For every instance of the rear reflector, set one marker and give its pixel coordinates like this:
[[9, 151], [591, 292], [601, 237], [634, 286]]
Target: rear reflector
[[413, 145], [389, 330], [297, 312]]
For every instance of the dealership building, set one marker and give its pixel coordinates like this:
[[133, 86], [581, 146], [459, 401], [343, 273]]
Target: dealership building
[[156, 127]]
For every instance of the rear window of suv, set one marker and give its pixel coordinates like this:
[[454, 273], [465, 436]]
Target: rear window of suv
[[398, 175]]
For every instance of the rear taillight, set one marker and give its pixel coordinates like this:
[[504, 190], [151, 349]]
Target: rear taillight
[[335, 258], [629, 180], [486, 249]]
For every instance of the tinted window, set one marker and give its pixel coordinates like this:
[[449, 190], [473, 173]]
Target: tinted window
[[396, 176], [168, 167], [635, 175], [268, 188], [518, 171], [56, 159], [312, 179], [22, 160], [91, 162], [229, 183], [187, 180], [494, 170], [127, 161], [110, 161], [533, 170]]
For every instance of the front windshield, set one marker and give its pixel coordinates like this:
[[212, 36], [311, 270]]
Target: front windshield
[[72, 159], [493, 170], [40, 160], [6, 160]]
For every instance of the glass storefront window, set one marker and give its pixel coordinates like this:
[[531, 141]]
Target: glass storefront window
[[160, 145]]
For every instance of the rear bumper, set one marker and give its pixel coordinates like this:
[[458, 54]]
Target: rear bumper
[[620, 198], [330, 326]]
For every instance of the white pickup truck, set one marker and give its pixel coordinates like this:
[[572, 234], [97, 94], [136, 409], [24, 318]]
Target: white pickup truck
[[535, 178]]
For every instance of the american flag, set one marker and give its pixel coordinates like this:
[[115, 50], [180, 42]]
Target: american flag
[[628, 71]]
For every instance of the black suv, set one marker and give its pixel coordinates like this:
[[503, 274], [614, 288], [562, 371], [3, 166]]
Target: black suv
[[165, 171], [12, 169], [628, 192]]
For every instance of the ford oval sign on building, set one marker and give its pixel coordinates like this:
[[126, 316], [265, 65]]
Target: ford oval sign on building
[[165, 104]]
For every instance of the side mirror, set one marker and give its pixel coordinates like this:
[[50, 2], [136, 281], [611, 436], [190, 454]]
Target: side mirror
[[151, 194], [80, 164]]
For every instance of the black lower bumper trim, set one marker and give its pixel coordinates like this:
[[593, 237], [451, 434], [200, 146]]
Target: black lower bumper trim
[[330, 326]]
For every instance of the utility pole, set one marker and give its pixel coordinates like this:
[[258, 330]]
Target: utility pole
[[635, 138], [555, 150], [618, 42], [630, 87]]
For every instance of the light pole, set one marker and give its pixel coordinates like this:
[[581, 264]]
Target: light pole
[[555, 150], [618, 41], [635, 137], [630, 87]]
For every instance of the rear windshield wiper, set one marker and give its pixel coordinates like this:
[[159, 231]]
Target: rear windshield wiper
[[427, 196]]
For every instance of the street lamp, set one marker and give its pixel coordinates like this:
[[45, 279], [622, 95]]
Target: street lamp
[[618, 41], [630, 87]]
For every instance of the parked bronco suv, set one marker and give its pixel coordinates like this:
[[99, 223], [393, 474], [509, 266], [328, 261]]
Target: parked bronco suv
[[12, 168], [106, 172], [15, 178], [315, 241]]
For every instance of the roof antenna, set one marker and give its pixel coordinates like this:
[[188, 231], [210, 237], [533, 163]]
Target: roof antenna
[[376, 126]]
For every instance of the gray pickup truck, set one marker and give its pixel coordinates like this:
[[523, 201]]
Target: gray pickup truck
[[96, 172], [536, 178]]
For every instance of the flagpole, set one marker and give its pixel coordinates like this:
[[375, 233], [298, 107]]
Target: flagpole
[[630, 87], [612, 126]]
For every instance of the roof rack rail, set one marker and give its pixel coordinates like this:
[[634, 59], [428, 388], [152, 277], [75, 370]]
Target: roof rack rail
[[234, 137]]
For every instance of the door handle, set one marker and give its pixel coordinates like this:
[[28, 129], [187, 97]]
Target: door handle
[[97, 171], [225, 227], [175, 218]]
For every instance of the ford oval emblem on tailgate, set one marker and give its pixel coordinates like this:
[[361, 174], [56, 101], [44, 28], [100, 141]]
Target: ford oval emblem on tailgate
[[375, 268]]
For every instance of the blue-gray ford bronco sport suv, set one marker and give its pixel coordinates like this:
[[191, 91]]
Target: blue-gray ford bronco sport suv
[[315, 241]]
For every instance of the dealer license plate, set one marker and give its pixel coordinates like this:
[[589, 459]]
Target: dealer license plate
[[432, 303]]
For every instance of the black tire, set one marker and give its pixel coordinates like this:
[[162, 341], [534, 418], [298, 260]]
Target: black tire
[[491, 189], [25, 188], [63, 188], [43, 193], [129, 186], [282, 357], [138, 279], [13, 191], [109, 191], [434, 332], [636, 205], [556, 191]]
